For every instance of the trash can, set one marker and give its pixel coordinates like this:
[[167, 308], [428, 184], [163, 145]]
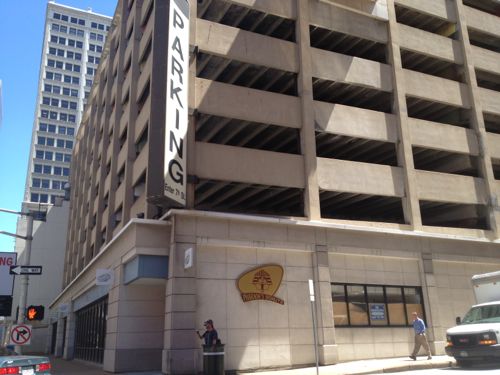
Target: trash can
[[213, 359]]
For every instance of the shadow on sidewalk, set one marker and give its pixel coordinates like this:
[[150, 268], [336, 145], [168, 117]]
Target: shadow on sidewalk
[[74, 367]]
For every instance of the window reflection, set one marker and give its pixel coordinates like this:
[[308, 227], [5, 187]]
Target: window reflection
[[358, 308], [375, 305], [395, 306], [339, 299]]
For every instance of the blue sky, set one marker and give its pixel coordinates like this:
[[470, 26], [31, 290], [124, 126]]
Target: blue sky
[[21, 35]]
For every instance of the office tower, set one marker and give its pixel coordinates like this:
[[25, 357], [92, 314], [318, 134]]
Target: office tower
[[350, 142], [72, 46], [73, 42]]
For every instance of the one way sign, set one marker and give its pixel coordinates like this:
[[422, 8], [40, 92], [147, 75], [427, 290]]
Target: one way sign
[[25, 270]]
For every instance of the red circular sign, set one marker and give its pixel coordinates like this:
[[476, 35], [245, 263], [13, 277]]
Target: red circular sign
[[20, 334]]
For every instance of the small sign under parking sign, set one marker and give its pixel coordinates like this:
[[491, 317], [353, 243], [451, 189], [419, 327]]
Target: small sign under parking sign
[[377, 311]]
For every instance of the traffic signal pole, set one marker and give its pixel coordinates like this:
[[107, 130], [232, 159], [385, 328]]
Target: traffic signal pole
[[23, 297]]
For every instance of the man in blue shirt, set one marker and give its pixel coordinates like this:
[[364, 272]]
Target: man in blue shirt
[[210, 336], [420, 337]]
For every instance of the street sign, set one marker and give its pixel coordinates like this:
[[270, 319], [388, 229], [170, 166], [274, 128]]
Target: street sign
[[6, 279], [5, 305], [25, 270], [20, 334]]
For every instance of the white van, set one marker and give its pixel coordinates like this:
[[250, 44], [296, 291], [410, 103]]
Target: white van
[[477, 335]]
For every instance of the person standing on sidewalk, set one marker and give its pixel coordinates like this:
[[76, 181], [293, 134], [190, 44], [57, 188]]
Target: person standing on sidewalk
[[210, 336], [420, 337]]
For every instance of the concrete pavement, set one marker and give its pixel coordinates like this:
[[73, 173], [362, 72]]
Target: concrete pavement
[[76, 367], [371, 366]]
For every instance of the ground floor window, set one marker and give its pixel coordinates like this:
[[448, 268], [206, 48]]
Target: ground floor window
[[361, 305], [90, 331]]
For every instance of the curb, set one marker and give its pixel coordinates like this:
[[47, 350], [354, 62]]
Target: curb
[[362, 367], [405, 368]]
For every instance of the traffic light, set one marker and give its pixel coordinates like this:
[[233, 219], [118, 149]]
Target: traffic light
[[35, 312]]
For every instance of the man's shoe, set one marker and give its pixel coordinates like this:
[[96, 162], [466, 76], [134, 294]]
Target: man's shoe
[[429, 357], [413, 357]]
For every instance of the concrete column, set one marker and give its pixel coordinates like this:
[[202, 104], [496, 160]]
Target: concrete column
[[133, 112], [307, 132], [435, 331], [477, 122], [156, 135], [134, 337], [105, 135], [411, 206], [110, 345], [114, 146], [69, 347], [181, 349], [328, 350], [48, 338], [85, 252], [59, 338]]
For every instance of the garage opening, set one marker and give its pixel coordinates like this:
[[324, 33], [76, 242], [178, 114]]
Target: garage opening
[[90, 331], [491, 123], [239, 197], [444, 214], [361, 207]]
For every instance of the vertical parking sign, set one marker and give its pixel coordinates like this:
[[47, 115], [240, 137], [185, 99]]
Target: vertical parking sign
[[177, 102], [6, 279]]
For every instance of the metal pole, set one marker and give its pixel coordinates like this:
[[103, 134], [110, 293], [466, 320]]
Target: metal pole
[[11, 211], [313, 312], [23, 296]]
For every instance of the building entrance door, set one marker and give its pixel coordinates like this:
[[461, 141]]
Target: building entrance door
[[90, 331]]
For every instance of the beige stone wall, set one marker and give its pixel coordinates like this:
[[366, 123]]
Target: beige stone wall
[[134, 337], [363, 343], [257, 333], [453, 280], [381, 270], [135, 318], [262, 334]]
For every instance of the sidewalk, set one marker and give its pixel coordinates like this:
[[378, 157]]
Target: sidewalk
[[63, 367], [370, 366]]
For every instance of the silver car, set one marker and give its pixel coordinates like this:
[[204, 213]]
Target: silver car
[[12, 363]]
